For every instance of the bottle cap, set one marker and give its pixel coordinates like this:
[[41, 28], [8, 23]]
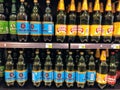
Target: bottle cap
[[21, 52], [84, 5], [81, 53], [70, 53], [59, 52], [108, 5], [37, 51], [35, 1], [113, 7], [68, 8], [97, 55], [9, 51], [72, 5], [22, 0], [48, 1], [97, 5], [13, 1], [90, 7], [48, 52], [101, 7], [103, 56], [118, 7], [79, 7], [92, 53], [61, 5], [112, 53]]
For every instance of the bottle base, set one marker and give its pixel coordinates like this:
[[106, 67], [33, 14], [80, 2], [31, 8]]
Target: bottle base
[[36, 84], [69, 85], [102, 86], [10, 84], [58, 85], [90, 83], [80, 85], [21, 84], [48, 84]]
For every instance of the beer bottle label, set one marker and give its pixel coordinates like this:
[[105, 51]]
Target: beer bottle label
[[59, 76], [48, 28], [116, 29], [23, 28], [1, 71], [80, 77], [91, 76], [3, 27], [71, 30], [36, 76], [101, 78], [95, 30], [70, 76], [111, 79], [12, 27], [9, 75], [83, 30], [21, 76], [60, 30], [48, 76], [35, 28], [107, 30]]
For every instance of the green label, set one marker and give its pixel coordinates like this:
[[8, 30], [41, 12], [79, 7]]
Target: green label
[[1, 71], [12, 27], [3, 27]]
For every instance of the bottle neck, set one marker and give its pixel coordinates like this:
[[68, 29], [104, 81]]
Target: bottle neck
[[1, 7], [9, 59], [37, 59], [21, 59], [48, 10], [13, 8], [112, 59], [35, 8], [22, 7]]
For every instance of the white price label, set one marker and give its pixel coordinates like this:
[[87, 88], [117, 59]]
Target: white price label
[[49, 45], [115, 46], [82, 46]]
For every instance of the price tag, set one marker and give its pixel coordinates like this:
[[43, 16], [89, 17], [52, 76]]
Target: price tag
[[49, 45], [81, 46], [115, 46]]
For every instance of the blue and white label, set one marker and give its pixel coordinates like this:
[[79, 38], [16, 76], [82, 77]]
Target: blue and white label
[[35, 28], [48, 28], [80, 77], [48, 76], [9, 75], [59, 76], [23, 28], [91, 76], [37, 76], [21, 76], [70, 76]]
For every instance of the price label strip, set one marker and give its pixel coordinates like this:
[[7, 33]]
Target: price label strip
[[82, 46], [48, 45], [115, 46]]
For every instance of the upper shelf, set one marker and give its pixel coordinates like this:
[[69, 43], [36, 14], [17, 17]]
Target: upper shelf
[[58, 45]]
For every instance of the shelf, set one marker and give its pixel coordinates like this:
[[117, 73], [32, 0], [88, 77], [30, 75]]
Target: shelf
[[34, 45], [94, 46], [58, 45]]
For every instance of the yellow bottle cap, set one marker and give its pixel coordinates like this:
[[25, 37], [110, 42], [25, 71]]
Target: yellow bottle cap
[[72, 6], [35, 1], [118, 7], [108, 5], [47, 1], [103, 56], [85, 5], [61, 5], [22, 0], [97, 5]]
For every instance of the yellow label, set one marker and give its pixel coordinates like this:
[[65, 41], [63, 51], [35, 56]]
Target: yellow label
[[101, 78], [117, 29], [83, 30], [71, 30], [107, 30], [95, 30], [60, 30]]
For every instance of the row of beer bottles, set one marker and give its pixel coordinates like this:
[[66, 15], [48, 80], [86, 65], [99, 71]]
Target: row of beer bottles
[[89, 23], [101, 72]]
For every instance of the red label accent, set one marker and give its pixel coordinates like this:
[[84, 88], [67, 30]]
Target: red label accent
[[111, 80]]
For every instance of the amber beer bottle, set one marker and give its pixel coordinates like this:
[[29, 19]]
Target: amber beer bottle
[[72, 27], [48, 25], [3, 22], [22, 23], [103, 71], [116, 24], [35, 24], [12, 22], [95, 27], [60, 27], [107, 27], [83, 26]]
